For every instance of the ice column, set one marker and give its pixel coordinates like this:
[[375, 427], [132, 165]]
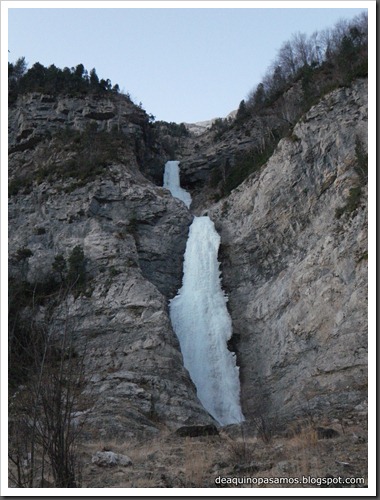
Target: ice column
[[203, 325]]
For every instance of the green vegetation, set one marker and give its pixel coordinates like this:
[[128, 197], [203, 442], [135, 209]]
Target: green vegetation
[[220, 126], [46, 373], [361, 166], [67, 276], [169, 135], [246, 164], [94, 150], [40, 231], [60, 267], [76, 274], [363, 256], [23, 254], [20, 184], [71, 275], [73, 82], [133, 225], [293, 137], [113, 271], [242, 112], [352, 203], [228, 176]]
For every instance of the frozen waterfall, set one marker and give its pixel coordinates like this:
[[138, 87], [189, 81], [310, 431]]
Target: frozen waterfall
[[203, 326], [171, 182]]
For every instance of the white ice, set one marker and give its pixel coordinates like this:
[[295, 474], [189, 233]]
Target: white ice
[[200, 317], [202, 323], [172, 182]]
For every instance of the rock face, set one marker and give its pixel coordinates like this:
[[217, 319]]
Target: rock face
[[296, 272], [133, 235], [293, 255], [213, 153], [133, 357], [35, 117]]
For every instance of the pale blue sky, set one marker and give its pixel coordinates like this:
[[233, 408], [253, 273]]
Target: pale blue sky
[[186, 65]]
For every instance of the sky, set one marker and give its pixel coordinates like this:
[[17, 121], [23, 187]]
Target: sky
[[182, 64]]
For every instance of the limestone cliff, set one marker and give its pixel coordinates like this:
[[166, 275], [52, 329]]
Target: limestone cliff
[[293, 256], [133, 235], [295, 267]]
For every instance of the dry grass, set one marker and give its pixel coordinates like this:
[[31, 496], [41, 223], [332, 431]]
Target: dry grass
[[169, 461], [305, 451], [241, 450], [197, 464]]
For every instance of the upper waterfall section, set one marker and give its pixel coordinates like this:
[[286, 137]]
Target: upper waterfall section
[[172, 182]]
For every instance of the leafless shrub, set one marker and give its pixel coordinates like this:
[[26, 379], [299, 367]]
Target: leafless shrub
[[44, 414], [240, 449], [263, 428]]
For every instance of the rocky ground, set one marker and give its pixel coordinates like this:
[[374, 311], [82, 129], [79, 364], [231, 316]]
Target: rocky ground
[[309, 449]]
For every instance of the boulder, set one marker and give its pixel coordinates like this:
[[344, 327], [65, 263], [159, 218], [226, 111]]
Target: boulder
[[197, 430], [110, 459]]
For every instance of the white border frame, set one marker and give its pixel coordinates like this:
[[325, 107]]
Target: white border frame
[[219, 492]]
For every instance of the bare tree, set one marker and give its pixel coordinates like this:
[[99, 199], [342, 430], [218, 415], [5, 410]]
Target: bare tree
[[316, 49], [302, 49], [287, 59], [43, 412]]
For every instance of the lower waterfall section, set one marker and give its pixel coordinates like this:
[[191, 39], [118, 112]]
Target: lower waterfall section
[[203, 326]]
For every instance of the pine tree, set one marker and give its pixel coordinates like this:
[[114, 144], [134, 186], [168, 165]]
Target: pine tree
[[94, 79], [242, 112]]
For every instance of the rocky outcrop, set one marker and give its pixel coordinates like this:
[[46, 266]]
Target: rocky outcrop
[[110, 459], [295, 268], [36, 117], [133, 235]]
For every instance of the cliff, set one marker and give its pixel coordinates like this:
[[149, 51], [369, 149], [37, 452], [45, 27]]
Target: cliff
[[294, 262], [86, 172], [85, 190]]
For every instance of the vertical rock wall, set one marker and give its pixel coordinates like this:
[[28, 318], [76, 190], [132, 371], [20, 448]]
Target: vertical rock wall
[[296, 272], [133, 235]]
